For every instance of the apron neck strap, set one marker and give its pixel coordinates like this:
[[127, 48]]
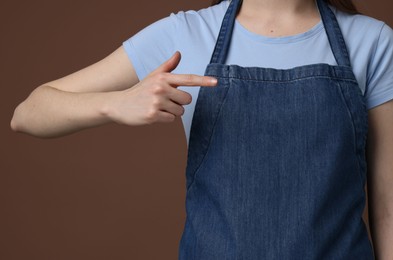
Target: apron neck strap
[[224, 38], [334, 34], [329, 21]]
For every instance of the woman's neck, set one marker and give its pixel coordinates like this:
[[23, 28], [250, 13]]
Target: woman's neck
[[275, 18], [275, 7]]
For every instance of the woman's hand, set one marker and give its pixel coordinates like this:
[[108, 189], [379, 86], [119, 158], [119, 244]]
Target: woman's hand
[[156, 98]]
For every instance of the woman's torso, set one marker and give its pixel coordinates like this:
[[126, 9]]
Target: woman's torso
[[199, 29]]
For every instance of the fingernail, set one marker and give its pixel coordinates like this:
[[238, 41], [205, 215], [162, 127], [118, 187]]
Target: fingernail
[[214, 81]]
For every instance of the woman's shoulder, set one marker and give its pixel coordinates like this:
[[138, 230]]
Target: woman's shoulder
[[365, 36], [209, 16], [370, 43], [362, 28], [357, 19]]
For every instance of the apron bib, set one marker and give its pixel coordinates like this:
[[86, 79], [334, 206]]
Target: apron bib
[[276, 160]]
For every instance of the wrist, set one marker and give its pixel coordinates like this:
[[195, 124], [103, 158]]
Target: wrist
[[106, 111]]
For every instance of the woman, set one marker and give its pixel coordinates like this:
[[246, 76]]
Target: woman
[[276, 161]]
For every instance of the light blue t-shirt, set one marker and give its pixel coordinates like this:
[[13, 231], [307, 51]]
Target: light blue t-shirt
[[193, 33]]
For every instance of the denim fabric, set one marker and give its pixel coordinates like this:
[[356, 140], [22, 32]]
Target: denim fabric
[[276, 161]]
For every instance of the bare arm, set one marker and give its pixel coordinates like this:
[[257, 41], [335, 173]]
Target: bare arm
[[107, 91], [380, 179], [74, 102]]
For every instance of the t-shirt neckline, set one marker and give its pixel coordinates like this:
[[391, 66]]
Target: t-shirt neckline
[[316, 29]]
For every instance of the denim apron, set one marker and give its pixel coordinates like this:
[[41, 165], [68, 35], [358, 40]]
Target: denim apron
[[276, 161]]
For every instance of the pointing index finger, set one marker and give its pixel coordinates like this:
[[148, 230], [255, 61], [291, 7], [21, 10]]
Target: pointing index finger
[[191, 80]]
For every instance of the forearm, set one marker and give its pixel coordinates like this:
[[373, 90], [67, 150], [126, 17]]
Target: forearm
[[381, 224], [49, 112]]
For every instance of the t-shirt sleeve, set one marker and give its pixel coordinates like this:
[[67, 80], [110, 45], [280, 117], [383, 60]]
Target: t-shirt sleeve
[[380, 70], [151, 46]]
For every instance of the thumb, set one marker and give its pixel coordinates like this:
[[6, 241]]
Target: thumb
[[170, 64]]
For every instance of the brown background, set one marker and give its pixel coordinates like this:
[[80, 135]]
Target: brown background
[[108, 193]]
